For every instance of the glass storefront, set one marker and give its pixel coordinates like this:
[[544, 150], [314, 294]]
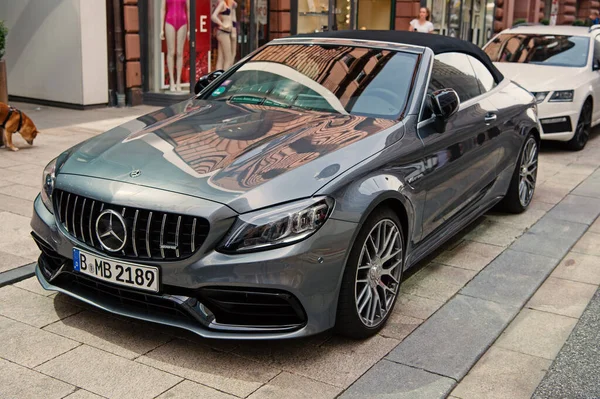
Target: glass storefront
[[313, 16], [465, 19], [317, 15], [175, 57], [374, 14]]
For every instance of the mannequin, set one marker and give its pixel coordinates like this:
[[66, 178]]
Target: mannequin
[[175, 24], [222, 17]]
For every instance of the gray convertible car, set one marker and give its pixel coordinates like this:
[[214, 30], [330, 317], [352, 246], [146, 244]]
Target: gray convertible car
[[292, 192]]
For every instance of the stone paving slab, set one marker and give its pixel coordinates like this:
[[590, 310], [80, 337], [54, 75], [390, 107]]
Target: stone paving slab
[[574, 373], [564, 297], [30, 346], [579, 267], [577, 209], [82, 394], [100, 330], [191, 390], [470, 255], [416, 306], [225, 372], [337, 361], [536, 333], [589, 244], [20, 382], [511, 278], [108, 375], [33, 309], [550, 237], [392, 380], [503, 374], [15, 238], [291, 386], [452, 340]]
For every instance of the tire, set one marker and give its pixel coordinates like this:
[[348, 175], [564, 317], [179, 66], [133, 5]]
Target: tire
[[582, 131], [359, 313], [525, 175]]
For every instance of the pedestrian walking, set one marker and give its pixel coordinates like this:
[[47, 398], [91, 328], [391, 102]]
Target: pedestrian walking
[[422, 24]]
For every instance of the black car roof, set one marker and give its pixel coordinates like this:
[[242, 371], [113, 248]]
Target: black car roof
[[437, 43]]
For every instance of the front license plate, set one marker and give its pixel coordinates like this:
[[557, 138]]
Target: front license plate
[[115, 271]]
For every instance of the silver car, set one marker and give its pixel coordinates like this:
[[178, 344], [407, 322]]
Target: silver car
[[292, 192]]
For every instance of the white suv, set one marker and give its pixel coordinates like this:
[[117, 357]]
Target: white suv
[[560, 65]]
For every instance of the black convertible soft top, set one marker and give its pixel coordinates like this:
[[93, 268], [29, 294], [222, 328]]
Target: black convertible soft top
[[437, 43]]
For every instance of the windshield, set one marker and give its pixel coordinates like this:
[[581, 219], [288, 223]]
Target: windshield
[[340, 79], [553, 50]]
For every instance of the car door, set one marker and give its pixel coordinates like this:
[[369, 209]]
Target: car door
[[462, 159]]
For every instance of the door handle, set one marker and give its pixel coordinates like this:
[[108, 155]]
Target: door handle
[[489, 118]]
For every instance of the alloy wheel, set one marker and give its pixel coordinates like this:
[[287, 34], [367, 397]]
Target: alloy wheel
[[528, 171], [582, 133], [378, 274]]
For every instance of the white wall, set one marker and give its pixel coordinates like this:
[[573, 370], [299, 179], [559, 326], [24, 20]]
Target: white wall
[[56, 50]]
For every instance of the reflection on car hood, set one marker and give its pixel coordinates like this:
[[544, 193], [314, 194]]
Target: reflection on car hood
[[245, 156], [536, 78]]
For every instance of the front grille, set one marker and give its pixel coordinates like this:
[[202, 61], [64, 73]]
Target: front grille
[[150, 235], [253, 307], [108, 294]]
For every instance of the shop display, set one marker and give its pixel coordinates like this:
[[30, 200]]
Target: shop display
[[175, 30], [225, 23]]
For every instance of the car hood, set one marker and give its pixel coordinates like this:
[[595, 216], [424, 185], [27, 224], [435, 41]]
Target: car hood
[[536, 78], [244, 156]]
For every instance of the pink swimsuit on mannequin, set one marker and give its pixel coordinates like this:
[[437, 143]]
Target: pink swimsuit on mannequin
[[176, 13]]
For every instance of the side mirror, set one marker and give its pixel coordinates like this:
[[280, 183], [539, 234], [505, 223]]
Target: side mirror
[[596, 65], [205, 80], [444, 104]]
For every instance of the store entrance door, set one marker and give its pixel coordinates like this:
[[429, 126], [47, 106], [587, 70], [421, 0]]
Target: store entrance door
[[463, 19]]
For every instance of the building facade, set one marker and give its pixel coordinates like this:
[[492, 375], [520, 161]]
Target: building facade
[[83, 53]]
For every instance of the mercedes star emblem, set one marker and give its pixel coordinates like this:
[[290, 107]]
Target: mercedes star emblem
[[111, 230], [135, 173]]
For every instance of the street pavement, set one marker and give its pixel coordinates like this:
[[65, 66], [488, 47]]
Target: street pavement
[[484, 317]]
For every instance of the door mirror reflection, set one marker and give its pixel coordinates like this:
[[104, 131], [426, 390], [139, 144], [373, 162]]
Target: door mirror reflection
[[444, 104]]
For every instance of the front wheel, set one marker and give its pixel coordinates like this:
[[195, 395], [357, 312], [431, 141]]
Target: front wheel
[[582, 131], [522, 184], [371, 280]]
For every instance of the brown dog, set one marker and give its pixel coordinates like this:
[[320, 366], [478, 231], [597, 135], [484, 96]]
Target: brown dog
[[14, 121]]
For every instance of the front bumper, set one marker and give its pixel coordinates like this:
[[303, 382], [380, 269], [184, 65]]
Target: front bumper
[[301, 280], [558, 120]]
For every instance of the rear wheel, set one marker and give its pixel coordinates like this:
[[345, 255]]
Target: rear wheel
[[371, 280], [582, 131], [522, 185]]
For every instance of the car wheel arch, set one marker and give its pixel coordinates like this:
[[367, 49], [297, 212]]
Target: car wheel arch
[[400, 205]]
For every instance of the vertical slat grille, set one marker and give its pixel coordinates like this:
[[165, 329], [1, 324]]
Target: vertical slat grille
[[151, 235]]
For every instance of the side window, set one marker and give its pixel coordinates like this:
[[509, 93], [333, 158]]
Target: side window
[[454, 71], [483, 75], [596, 49]]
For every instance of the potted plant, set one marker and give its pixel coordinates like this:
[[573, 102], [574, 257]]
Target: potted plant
[[3, 85]]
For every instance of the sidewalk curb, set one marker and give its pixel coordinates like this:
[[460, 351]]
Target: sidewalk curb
[[18, 274]]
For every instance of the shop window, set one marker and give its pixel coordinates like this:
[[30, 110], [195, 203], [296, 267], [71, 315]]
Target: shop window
[[374, 14]]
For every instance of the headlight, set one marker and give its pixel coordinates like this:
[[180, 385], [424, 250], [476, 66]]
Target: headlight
[[540, 96], [562, 96], [277, 226], [48, 180]]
